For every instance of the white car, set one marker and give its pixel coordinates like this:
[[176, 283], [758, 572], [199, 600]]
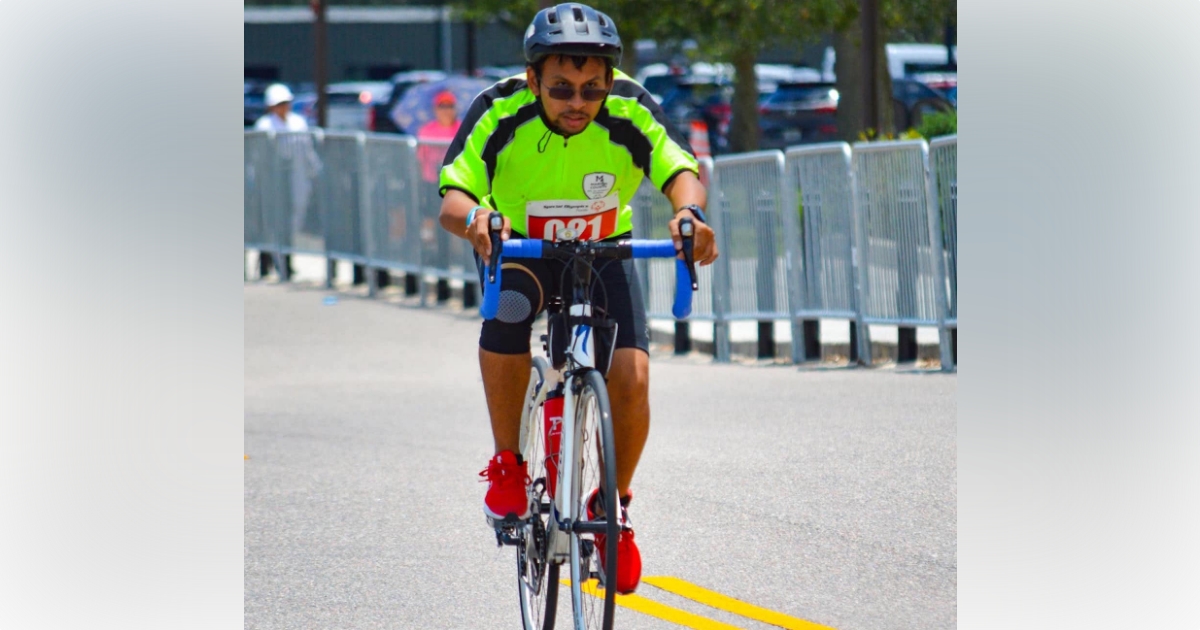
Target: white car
[[349, 103]]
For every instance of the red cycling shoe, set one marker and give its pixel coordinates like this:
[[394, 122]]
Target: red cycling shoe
[[508, 480], [629, 559]]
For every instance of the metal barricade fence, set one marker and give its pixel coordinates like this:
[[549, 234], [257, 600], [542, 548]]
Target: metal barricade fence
[[821, 244], [392, 210], [651, 213], [341, 195], [446, 256], [900, 268], [257, 157], [750, 281], [943, 157], [293, 211], [867, 233]]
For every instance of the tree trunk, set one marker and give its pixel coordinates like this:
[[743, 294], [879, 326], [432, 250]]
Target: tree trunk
[[743, 129], [848, 65], [629, 59], [847, 46]]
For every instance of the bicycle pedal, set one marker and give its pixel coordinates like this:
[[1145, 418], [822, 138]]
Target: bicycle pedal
[[508, 531]]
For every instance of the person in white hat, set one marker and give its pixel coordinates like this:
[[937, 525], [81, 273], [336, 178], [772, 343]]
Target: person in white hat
[[297, 154], [280, 117]]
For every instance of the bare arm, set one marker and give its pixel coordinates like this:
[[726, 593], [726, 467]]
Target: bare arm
[[684, 190], [456, 205]]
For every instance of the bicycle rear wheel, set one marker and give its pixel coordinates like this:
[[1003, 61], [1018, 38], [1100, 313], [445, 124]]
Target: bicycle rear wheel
[[537, 579], [595, 458]]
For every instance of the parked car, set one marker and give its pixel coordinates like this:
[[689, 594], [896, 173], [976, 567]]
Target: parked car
[[798, 113], [904, 60], [706, 100], [801, 113], [913, 99], [381, 111], [350, 104], [499, 73]]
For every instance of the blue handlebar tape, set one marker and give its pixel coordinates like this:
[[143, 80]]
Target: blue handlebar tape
[[523, 248], [516, 248], [653, 249], [532, 248], [491, 292], [682, 306]]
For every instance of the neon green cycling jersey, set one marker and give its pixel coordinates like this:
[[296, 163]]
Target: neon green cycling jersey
[[506, 158]]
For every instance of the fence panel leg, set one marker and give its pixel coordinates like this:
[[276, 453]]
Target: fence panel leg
[[330, 272], [906, 344], [683, 338], [470, 294]]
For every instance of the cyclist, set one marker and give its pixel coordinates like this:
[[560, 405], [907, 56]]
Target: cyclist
[[569, 139]]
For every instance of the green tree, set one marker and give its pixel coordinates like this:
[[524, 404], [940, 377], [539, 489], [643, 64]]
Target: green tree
[[738, 31], [898, 20], [635, 19]]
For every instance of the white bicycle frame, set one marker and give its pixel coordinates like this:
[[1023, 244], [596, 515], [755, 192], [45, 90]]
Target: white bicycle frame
[[579, 356]]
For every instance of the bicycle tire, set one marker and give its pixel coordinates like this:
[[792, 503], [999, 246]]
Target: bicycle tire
[[595, 467], [537, 580]]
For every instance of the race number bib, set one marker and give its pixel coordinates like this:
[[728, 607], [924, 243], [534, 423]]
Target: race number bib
[[584, 220]]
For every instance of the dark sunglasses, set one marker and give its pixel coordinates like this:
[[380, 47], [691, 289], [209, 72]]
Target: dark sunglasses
[[566, 93], [446, 106]]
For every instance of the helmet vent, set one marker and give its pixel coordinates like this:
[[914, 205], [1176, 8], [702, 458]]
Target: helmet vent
[[578, 14], [552, 17]]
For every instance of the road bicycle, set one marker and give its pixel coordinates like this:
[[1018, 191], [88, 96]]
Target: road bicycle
[[565, 472]]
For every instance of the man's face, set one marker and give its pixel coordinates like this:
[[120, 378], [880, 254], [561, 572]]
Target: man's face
[[570, 115], [281, 109]]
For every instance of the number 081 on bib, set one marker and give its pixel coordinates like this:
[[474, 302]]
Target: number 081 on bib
[[576, 219]]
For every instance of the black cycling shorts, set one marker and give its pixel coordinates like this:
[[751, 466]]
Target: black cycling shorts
[[526, 285]]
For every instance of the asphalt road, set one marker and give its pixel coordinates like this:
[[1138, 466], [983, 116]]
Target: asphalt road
[[826, 495]]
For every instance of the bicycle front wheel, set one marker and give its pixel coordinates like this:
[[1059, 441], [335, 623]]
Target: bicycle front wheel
[[595, 459], [537, 578]]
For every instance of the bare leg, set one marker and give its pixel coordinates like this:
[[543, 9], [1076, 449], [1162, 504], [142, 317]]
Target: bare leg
[[505, 379], [629, 395]]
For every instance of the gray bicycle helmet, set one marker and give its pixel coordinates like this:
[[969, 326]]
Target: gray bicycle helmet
[[572, 29]]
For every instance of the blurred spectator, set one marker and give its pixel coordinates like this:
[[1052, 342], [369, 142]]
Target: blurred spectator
[[434, 138], [280, 117], [297, 156], [439, 131]]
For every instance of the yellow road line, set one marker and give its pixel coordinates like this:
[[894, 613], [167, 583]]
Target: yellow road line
[[655, 609], [729, 604]]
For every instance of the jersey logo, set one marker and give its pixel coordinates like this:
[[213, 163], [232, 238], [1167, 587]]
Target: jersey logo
[[598, 185]]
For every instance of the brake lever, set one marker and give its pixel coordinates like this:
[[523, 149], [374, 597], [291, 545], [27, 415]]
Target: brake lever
[[495, 225], [687, 232]]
